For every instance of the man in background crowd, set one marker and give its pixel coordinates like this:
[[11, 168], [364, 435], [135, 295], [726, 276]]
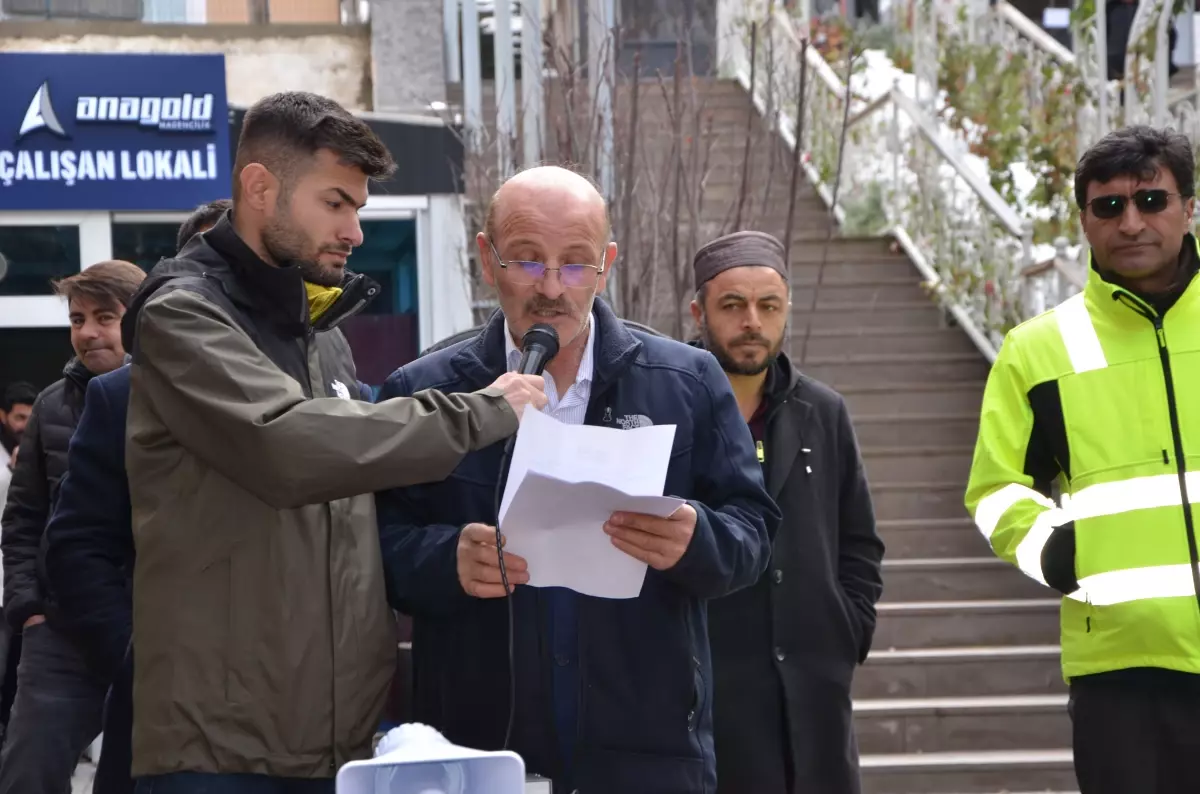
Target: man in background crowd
[[59, 700], [201, 220], [262, 638], [89, 548], [785, 650], [15, 408]]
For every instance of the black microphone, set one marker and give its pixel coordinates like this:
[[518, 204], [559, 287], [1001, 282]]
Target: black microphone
[[538, 346]]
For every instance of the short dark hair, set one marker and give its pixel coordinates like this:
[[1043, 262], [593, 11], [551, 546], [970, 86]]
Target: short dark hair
[[282, 131], [19, 393], [1139, 151], [203, 217], [109, 284]]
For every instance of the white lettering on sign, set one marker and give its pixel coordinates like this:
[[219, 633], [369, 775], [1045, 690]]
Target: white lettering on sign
[[187, 113], [71, 166]]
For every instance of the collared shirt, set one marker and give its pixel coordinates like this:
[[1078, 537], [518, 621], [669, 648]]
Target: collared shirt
[[571, 409]]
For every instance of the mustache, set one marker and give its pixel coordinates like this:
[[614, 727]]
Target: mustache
[[540, 304], [748, 338], [341, 250]]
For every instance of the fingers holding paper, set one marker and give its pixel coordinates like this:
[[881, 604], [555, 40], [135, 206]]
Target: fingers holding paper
[[479, 564], [658, 542]]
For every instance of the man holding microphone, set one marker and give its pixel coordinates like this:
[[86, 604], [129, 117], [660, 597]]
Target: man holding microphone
[[262, 640]]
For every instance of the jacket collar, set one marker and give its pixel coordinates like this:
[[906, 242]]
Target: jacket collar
[[1105, 296], [614, 348], [276, 293]]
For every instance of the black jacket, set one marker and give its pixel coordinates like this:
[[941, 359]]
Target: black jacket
[[784, 651], [41, 464]]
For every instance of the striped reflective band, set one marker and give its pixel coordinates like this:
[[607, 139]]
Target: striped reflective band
[[1079, 335], [1135, 584], [1138, 493], [992, 507]]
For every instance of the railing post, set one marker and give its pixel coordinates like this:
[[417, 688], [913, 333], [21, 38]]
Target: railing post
[[472, 77], [450, 15]]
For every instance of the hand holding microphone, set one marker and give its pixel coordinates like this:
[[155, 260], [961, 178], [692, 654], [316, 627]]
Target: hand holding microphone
[[526, 386]]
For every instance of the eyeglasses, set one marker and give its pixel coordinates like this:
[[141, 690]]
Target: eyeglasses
[[1148, 202], [521, 272]]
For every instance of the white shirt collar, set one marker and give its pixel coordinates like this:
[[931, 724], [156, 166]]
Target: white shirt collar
[[513, 355]]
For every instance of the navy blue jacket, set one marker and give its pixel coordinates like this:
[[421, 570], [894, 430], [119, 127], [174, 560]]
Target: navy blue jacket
[[638, 670], [89, 562], [89, 554]]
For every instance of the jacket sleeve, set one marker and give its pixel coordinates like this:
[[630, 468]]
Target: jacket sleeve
[[860, 549], [89, 540], [420, 559], [1008, 493], [231, 406], [731, 545], [23, 523]]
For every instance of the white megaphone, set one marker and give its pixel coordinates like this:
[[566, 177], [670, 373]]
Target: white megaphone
[[416, 759]]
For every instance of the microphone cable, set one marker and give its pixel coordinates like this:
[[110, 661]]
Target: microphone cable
[[508, 594], [539, 344]]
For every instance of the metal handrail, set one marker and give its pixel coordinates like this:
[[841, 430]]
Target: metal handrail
[[1032, 31]]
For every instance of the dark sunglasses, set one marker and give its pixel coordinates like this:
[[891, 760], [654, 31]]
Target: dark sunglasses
[[1148, 202]]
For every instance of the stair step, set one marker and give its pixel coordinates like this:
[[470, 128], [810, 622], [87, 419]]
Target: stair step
[[895, 501], [926, 462], [917, 537], [866, 293], [933, 624], [852, 341], [1001, 722], [805, 262], [978, 772], [878, 398], [905, 429], [893, 367], [956, 579], [915, 314], [949, 672]]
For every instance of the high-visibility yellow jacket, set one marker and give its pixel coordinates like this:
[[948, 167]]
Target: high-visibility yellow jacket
[[1102, 396]]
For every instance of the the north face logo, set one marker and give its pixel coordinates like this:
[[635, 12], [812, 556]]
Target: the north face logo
[[340, 390], [634, 421]]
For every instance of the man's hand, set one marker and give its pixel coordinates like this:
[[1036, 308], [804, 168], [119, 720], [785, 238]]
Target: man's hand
[[33, 621], [479, 564], [658, 542], [522, 390]]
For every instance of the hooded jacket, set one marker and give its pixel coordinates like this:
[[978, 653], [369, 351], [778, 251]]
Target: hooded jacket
[[263, 639], [35, 481]]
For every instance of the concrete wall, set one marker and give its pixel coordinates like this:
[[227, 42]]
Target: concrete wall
[[406, 41], [332, 60]]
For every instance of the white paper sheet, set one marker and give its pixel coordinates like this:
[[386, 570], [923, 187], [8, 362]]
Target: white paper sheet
[[563, 484]]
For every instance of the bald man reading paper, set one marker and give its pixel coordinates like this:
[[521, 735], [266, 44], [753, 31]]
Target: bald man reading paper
[[612, 695]]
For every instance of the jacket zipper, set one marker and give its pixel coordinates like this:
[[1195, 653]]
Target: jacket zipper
[[308, 340], [1164, 357], [1180, 460]]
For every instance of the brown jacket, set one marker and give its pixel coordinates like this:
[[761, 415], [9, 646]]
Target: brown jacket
[[263, 642]]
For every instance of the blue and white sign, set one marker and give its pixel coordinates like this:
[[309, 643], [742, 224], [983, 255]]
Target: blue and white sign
[[112, 132]]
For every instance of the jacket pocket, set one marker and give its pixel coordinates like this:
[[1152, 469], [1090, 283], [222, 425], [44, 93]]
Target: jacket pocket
[[241, 608], [699, 696]]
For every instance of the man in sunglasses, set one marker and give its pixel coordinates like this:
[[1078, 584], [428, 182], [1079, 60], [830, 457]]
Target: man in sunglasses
[[612, 695], [1099, 398]]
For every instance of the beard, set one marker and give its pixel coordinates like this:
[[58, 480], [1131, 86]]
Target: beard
[[742, 366], [539, 303], [287, 244]]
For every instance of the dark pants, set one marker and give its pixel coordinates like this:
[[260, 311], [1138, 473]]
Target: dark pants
[[56, 715], [116, 754], [196, 783], [1137, 734]]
